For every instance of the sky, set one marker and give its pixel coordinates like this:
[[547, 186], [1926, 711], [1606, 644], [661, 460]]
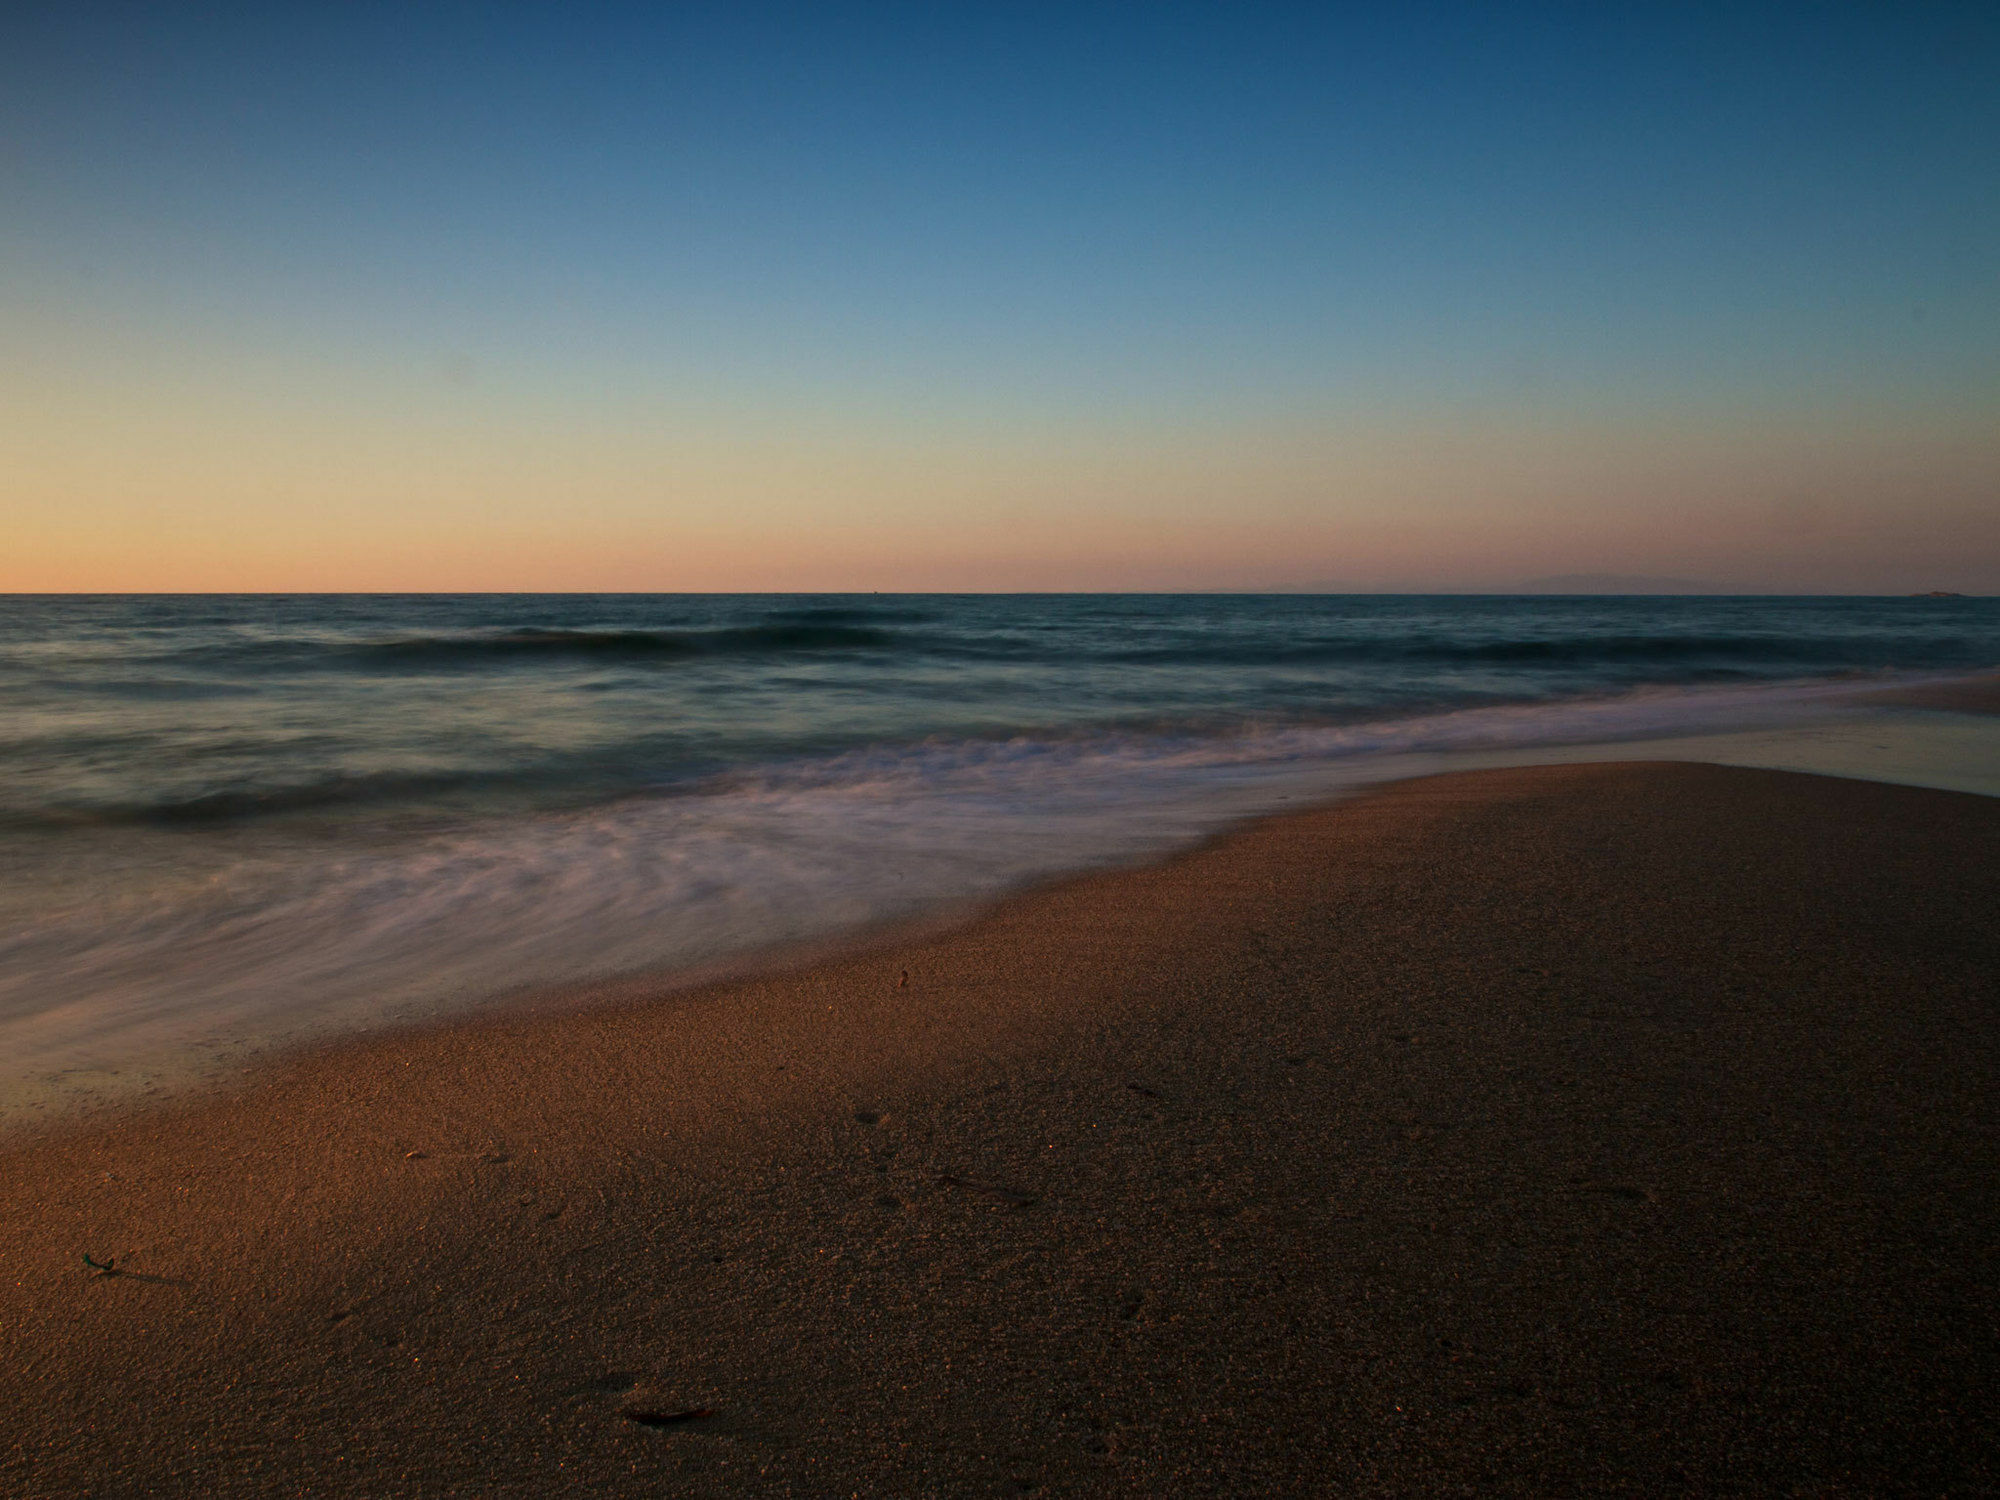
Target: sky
[[1015, 297]]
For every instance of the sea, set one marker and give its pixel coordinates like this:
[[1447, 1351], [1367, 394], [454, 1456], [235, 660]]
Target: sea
[[231, 824]]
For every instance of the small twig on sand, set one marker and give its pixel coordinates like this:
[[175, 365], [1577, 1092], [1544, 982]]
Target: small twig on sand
[[1005, 1195]]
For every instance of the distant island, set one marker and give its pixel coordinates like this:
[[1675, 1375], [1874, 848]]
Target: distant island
[[1619, 583], [1937, 594]]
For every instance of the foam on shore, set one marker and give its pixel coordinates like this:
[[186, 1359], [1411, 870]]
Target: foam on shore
[[186, 972]]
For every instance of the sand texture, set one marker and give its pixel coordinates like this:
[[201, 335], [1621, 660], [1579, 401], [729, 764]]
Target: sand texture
[[1586, 1129]]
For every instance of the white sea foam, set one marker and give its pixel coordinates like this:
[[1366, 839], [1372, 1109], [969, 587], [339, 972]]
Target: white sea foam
[[281, 941]]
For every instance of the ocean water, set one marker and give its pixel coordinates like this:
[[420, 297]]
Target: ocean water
[[227, 823]]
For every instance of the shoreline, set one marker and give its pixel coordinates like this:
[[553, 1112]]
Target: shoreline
[[1603, 1114], [1939, 733], [1950, 741], [1976, 693]]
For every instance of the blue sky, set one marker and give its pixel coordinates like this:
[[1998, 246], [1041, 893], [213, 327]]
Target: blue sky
[[439, 271]]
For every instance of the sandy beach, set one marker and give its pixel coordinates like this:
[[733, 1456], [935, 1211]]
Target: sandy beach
[[883, 753], [1582, 1129]]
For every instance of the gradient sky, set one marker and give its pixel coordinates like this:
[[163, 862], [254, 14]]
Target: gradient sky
[[493, 296]]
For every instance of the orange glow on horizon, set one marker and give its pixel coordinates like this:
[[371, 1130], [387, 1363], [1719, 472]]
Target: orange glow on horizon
[[1378, 506]]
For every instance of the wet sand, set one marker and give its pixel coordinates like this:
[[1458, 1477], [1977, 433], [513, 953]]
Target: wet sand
[[1579, 1129], [1978, 694]]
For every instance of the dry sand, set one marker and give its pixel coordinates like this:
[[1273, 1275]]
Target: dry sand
[[1578, 1129]]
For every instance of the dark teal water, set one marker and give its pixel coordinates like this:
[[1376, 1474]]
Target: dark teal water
[[188, 709], [229, 820]]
